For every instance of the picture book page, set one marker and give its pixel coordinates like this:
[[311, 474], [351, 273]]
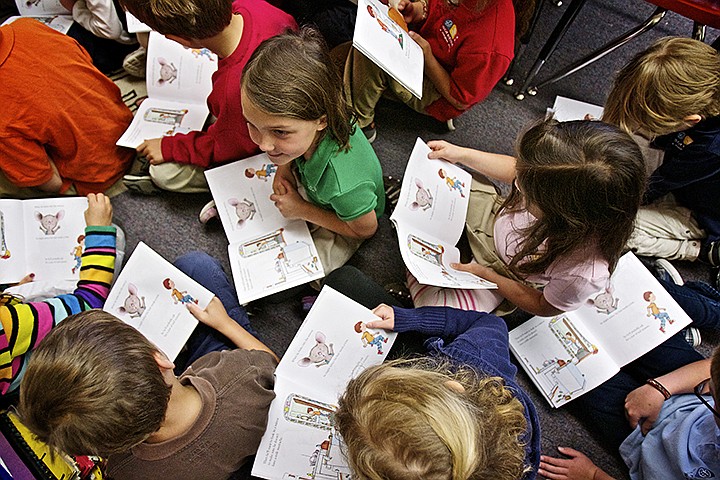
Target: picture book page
[[32, 8], [333, 345], [274, 261], [566, 109], [13, 265], [384, 42], [54, 237], [59, 23], [150, 294], [562, 358], [161, 118], [434, 196], [300, 441], [634, 313], [134, 25], [242, 192]]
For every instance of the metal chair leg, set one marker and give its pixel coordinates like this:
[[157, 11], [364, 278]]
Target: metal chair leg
[[698, 31]]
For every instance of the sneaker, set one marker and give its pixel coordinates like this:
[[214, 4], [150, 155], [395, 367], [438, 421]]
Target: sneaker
[[710, 253], [392, 192], [666, 271], [370, 132], [141, 184], [135, 63], [450, 125], [307, 302], [692, 336], [140, 166], [208, 212]]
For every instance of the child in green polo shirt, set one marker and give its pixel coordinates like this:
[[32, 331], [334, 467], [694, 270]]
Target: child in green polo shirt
[[327, 172]]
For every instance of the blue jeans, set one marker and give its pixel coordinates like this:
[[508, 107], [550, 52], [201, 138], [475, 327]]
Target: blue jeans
[[208, 272], [604, 407]]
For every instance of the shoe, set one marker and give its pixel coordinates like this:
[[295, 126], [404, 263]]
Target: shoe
[[692, 336], [392, 193], [400, 292], [141, 184], [666, 271], [450, 125], [307, 302], [135, 63], [208, 212], [140, 166], [370, 132], [710, 253]]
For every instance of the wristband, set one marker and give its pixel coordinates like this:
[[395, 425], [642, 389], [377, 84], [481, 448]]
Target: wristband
[[659, 387]]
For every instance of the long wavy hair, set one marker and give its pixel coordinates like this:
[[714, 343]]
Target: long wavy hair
[[405, 419], [587, 179]]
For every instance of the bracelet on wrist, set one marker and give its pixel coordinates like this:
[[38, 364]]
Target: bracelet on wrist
[[659, 387]]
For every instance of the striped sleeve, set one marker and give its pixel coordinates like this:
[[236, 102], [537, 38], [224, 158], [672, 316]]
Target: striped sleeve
[[24, 325]]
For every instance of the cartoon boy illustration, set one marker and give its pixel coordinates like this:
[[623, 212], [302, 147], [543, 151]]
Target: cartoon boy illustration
[[368, 338], [263, 173], [657, 312], [77, 252], [452, 182], [177, 295]]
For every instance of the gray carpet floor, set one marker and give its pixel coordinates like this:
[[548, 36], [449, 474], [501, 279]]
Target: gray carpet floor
[[168, 222]]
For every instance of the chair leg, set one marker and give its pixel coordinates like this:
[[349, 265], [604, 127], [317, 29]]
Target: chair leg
[[653, 20]]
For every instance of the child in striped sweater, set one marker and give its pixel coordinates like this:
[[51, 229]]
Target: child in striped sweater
[[24, 325]]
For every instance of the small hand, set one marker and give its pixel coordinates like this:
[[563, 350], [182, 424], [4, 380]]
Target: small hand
[[643, 405], [445, 150], [387, 317], [474, 268], [427, 50], [214, 315], [411, 12], [577, 467], [283, 173], [99, 211], [152, 150], [290, 204]]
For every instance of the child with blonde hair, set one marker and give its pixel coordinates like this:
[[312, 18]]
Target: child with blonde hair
[[327, 172], [576, 188], [670, 94], [458, 414]]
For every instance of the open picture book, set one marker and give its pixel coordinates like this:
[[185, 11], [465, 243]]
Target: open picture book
[[49, 12], [179, 81], [332, 346], [572, 353], [268, 253], [44, 236], [430, 217], [566, 109], [388, 45], [150, 294]]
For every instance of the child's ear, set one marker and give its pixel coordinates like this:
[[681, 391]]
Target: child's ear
[[163, 361], [322, 123], [693, 119]]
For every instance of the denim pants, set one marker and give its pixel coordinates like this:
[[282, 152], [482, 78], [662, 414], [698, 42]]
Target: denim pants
[[603, 408], [208, 272]]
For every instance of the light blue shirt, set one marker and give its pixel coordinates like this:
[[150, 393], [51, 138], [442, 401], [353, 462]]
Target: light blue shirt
[[684, 443]]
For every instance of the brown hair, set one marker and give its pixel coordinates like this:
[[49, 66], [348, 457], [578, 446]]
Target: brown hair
[[292, 75], [191, 19], [587, 178], [672, 79], [93, 387], [402, 419]]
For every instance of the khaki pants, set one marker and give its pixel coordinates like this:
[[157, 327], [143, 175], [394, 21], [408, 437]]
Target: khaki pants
[[333, 249], [365, 83], [179, 177], [665, 229]]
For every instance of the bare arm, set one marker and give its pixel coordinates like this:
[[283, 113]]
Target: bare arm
[[492, 165]]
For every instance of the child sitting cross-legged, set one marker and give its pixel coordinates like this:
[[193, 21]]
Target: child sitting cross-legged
[[96, 386]]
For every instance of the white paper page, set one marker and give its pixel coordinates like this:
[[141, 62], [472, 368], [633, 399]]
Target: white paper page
[[327, 350], [434, 196], [134, 25], [381, 40], [12, 242], [160, 118], [59, 23], [274, 261], [567, 109], [53, 227], [242, 192], [144, 298], [31, 8], [429, 259], [633, 325], [561, 357], [177, 73], [300, 441]]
